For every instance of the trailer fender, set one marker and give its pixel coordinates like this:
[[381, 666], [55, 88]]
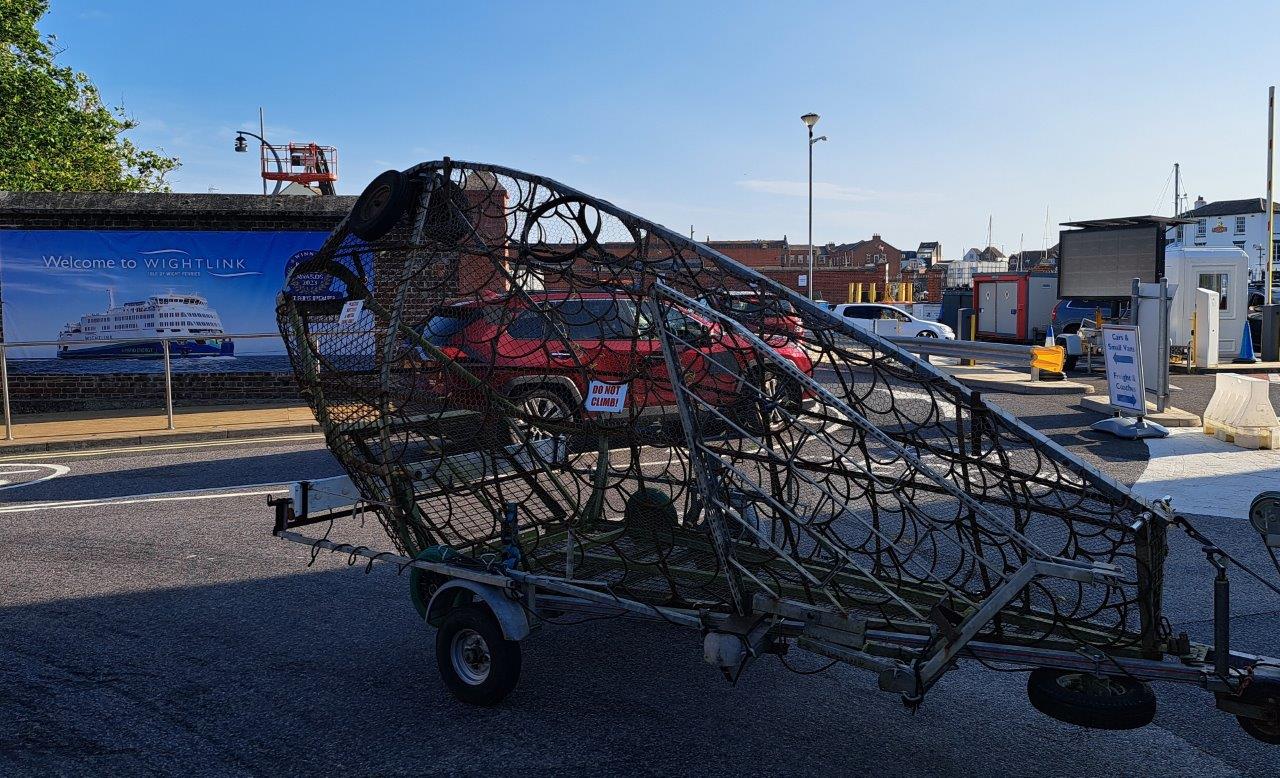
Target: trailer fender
[[1071, 343], [511, 617]]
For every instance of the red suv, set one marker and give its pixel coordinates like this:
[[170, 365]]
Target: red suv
[[517, 349]]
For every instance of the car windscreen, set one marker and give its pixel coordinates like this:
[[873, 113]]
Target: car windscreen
[[749, 306]]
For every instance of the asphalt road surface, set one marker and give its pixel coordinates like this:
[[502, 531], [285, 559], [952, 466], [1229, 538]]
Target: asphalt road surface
[[145, 628]]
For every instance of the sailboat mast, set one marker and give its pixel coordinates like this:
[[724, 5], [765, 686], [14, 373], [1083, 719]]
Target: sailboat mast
[[1177, 189]]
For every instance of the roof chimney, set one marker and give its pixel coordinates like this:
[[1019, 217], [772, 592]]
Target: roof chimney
[[875, 236], [1200, 203]]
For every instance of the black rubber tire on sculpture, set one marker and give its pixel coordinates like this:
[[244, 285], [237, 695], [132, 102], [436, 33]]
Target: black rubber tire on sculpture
[[1112, 702], [473, 627], [380, 205], [1266, 694]]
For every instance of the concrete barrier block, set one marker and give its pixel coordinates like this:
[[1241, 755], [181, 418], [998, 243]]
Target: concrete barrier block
[[1240, 412]]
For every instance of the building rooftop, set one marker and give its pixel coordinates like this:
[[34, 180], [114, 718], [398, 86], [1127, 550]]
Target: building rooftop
[[1127, 221], [1232, 208]]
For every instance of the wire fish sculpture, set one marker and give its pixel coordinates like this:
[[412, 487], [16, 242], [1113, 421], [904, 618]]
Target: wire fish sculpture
[[529, 380]]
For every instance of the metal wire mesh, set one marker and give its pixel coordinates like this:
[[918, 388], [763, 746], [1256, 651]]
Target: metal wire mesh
[[676, 427]]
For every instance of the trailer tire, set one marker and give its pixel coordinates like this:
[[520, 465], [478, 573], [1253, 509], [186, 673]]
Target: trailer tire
[[380, 205], [477, 664], [1265, 694], [1114, 702], [1069, 363]]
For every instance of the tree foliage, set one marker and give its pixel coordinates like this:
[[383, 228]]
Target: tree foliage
[[55, 133]]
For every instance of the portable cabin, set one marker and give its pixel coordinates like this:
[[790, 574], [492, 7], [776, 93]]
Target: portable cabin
[[1014, 306]]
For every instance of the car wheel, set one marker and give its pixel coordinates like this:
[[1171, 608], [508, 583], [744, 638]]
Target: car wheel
[[768, 409], [536, 408], [477, 664]]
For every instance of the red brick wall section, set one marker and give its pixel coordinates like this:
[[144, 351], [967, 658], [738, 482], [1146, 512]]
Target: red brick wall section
[[752, 253], [934, 279], [89, 392]]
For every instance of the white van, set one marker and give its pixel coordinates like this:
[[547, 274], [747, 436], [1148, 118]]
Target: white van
[[891, 320]]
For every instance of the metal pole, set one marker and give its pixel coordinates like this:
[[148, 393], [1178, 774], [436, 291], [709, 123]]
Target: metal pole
[[1271, 135], [809, 278], [1162, 393], [262, 130], [4, 390], [1177, 180], [168, 385]]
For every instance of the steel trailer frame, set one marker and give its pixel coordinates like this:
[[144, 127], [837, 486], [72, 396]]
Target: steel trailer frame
[[732, 646]]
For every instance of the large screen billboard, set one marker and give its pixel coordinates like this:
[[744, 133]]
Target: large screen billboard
[[1102, 263], [84, 291]]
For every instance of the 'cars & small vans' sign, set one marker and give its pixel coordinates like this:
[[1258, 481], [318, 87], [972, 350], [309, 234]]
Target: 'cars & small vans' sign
[[1123, 353], [606, 398]]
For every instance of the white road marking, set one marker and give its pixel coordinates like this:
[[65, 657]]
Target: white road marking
[[1206, 476], [247, 490], [51, 471]]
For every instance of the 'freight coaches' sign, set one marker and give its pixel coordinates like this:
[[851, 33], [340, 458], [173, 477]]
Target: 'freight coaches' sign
[[1123, 353]]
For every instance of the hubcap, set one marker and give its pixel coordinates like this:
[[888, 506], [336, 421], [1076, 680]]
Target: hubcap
[[1098, 687], [470, 655], [540, 409], [376, 200]]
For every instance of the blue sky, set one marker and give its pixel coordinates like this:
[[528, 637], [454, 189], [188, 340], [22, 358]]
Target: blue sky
[[938, 114]]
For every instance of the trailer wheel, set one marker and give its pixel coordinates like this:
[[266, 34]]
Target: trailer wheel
[[380, 205], [1107, 702], [477, 664], [1267, 695], [1070, 362]]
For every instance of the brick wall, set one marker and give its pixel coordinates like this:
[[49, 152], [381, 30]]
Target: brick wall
[[70, 392]]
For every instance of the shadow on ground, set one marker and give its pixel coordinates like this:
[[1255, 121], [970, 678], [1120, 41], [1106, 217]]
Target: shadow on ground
[[332, 671]]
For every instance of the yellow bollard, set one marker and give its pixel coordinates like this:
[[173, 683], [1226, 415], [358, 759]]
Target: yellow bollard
[[857, 291], [851, 298], [871, 296]]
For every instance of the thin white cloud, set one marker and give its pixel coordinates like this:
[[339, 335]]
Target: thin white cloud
[[821, 190], [580, 159]]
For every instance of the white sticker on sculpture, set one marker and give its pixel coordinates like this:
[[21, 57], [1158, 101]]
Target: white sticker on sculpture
[[351, 311], [606, 398]]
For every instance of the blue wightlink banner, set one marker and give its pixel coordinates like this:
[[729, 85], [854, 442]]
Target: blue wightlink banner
[[77, 285]]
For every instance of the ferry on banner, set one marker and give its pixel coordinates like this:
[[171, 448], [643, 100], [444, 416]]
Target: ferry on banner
[[102, 335]]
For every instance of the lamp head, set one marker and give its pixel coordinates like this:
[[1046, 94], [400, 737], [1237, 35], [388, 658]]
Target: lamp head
[[241, 145], [809, 120]]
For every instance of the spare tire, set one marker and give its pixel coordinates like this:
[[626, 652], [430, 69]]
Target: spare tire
[[380, 205], [1106, 702]]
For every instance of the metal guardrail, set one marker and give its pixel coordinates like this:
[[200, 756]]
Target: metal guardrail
[[165, 340], [1008, 353], [1037, 358]]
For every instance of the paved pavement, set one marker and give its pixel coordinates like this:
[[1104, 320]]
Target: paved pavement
[[62, 431], [144, 629]]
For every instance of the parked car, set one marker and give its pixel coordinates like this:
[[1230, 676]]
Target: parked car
[[521, 351], [1257, 298], [1069, 312], [770, 315], [891, 320]]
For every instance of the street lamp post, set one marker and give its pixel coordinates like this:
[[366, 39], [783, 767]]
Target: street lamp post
[[809, 120], [243, 147]]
